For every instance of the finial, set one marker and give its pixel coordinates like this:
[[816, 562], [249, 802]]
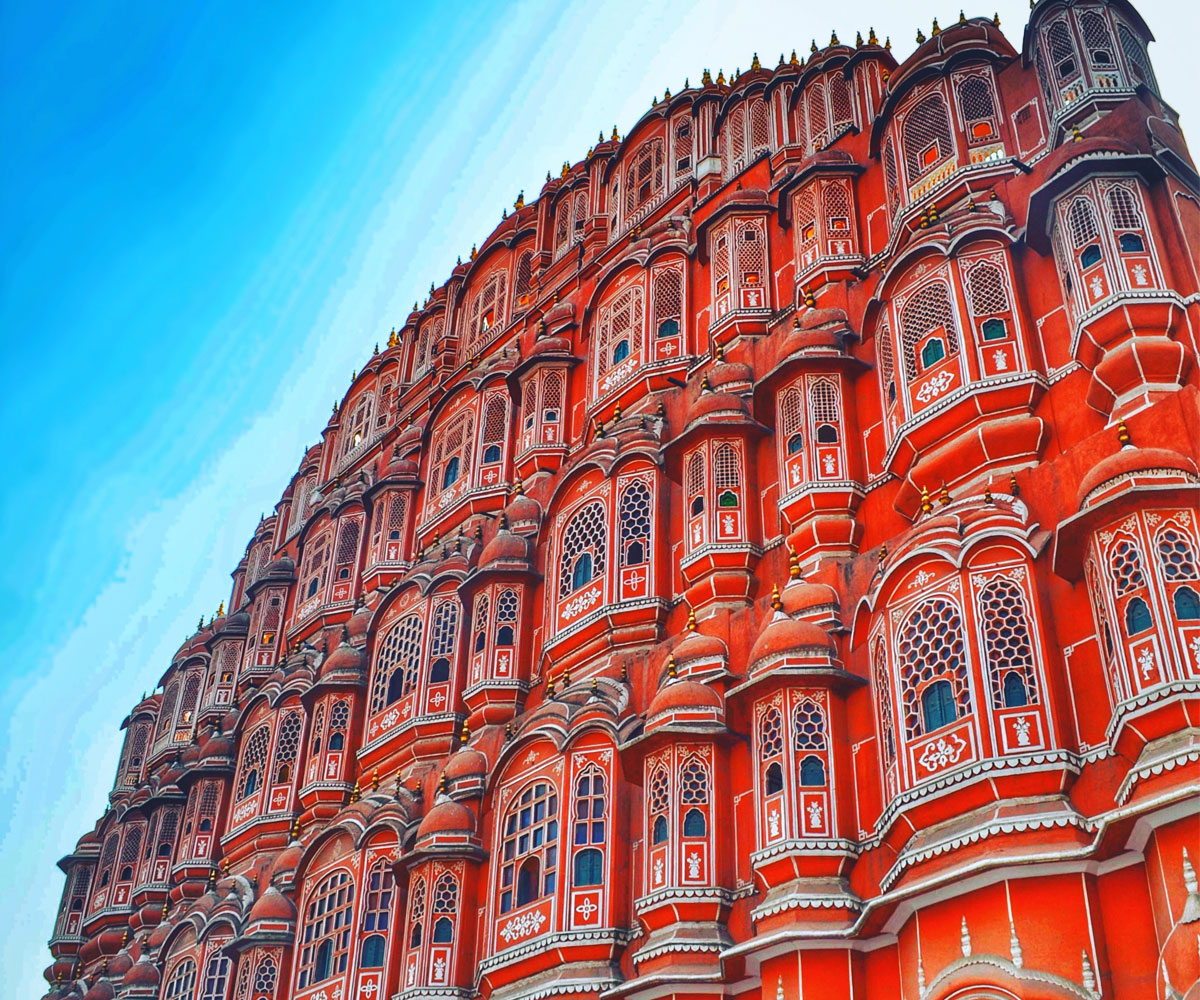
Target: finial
[[926, 506], [1014, 946], [965, 939], [987, 495], [833, 38], [296, 829], [508, 731], [599, 428], [474, 251], [550, 687], [776, 601], [566, 677], [720, 78], [794, 60], [933, 212], [1191, 905], [962, 18], [944, 496], [667, 94], [396, 785], [503, 213], [887, 43], [375, 780], [1013, 487], [671, 672], [809, 299], [520, 202], [616, 412], [872, 39], [220, 609], [691, 619], [706, 78], [624, 673], [441, 787], [813, 47], [858, 40], [1123, 434], [355, 793], [1089, 974], [547, 176], [754, 63], [616, 136], [704, 384], [935, 31], [595, 685], [1076, 135], [920, 37], [882, 557], [793, 564], [996, 17], [465, 736]]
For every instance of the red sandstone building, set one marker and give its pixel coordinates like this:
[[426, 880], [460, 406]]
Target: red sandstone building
[[767, 567]]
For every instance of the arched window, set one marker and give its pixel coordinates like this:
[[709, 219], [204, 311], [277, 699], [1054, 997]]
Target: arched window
[[182, 982], [506, 617], [658, 802], [1062, 52], [450, 474], [1097, 40], [265, 977], [398, 662], [373, 949], [325, 937], [1137, 616], [377, 901], [925, 136], [1135, 56], [1126, 566], [287, 746], [1015, 694], [927, 317], [485, 314], [529, 849], [774, 778], [1007, 641], [590, 809], [620, 324], [1186, 603], [588, 867], [986, 289], [633, 517], [694, 796], [416, 913], [586, 537], [937, 706], [442, 632], [727, 475], [977, 107], [666, 293], [216, 978], [445, 907], [644, 176], [339, 722], [932, 646], [523, 283], [620, 352], [254, 759], [812, 771]]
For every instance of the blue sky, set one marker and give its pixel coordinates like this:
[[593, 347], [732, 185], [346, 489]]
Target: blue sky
[[209, 213]]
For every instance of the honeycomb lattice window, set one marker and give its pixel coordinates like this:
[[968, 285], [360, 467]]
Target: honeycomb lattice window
[[416, 904], [254, 759], [1177, 555], [506, 608], [734, 141], [443, 630], [932, 645], [808, 726], [265, 976], [975, 101], [399, 653], [770, 734], [445, 895], [693, 783], [1007, 644], [633, 517], [339, 718], [287, 745], [660, 792], [586, 535], [1126, 567]]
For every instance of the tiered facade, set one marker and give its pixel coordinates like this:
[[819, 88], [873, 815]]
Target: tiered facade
[[767, 567]]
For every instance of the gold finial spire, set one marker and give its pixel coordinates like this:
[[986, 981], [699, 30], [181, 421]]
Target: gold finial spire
[[1123, 434], [550, 687], [809, 298], [833, 38], [520, 202], [220, 609], [987, 494], [355, 793], [691, 619], [616, 136], [926, 506], [1013, 486], [754, 63], [667, 94], [466, 731], [1076, 135], [882, 557], [887, 42], [871, 37], [616, 412], [935, 31], [720, 78], [706, 78], [671, 672], [944, 495], [375, 780], [794, 60], [793, 564], [962, 18], [813, 47], [776, 601], [920, 37], [566, 677], [858, 40], [474, 251]]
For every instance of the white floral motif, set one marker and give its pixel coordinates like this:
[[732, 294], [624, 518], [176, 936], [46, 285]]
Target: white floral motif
[[369, 989], [1021, 724], [1196, 649], [658, 871], [1146, 662], [935, 386], [693, 865], [581, 603], [586, 909], [830, 467], [1097, 286], [523, 926], [773, 824], [1139, 275], [815, 814], [439, 969], [1001, 360], [943, 751]]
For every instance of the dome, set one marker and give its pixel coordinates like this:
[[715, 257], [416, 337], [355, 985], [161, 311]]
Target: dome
[[143, 973], [360, 622], [345, 657], [728, 373], [120, 964], [408, 439], [685, 696], [288, 861], [695, 645], [709, 404], [550, 345], [820, 319], [447, 816], [504, 547], [191, 755], [785, 635], [396, 467], [523, 512], [238, 620], [272, 905], [800, 596], [1133, 463], [100, 991], [468, 763]]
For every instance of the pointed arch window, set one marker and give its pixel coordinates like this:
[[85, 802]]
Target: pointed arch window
[[932, 649], [633, 516], [416, 914], [181, 985], [928, 331], [216, 978], [1007, 642], [485, 317], [658, 803], [584, 546], [925, 136], [694, 798], [254, 759], [398, 662], [644, 176], [445, 908]]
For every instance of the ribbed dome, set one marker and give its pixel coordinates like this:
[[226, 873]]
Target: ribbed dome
[[504, 547], [447, 816], [396, 467], [695, 645], [345, 657], [709, 404], [1131, 462], [786, 635], [143, 973], [100, 991], [467, 763], [684, 695], [272, 905], [800, 596]]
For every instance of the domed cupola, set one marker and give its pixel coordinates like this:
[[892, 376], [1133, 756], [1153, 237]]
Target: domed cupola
[[272, 907], [397, 467], [810, 601], [467, 771], [685, 703], [523, 512], [697, 653], [1133, 468], [791, 644], [345, 662], [448, 826]]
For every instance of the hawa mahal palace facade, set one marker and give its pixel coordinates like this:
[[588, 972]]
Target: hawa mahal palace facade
[[766, 568]]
